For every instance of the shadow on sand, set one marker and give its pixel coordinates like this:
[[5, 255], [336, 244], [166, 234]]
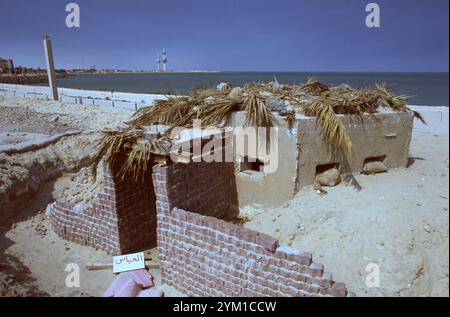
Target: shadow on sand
[[412, 160], [16, 278]]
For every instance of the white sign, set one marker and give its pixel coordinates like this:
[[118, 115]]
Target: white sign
[[128, 262]]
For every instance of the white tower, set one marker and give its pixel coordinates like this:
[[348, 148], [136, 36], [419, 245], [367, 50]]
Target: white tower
[[164, 60], [158, 63]]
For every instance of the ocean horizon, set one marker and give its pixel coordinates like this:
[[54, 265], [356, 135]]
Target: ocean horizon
[[422, 88]]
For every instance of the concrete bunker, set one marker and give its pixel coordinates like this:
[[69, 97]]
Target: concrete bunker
[[302, 153]]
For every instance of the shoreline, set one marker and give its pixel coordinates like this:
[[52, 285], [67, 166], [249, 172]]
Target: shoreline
[[28, 79], [76, 92], [422, 88], [437, 116]]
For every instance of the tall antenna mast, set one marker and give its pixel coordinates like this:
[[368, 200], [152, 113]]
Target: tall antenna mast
[[158, 62], [164, 60]]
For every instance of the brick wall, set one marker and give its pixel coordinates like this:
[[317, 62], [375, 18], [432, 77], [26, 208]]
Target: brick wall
[[91, 225], [202, 255], [207, 188], [122, 220], [206, 256]]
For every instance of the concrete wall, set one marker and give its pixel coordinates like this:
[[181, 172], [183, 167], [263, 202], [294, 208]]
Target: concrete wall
[[301, 149], [383, 134], [128, 101], [272, 189]]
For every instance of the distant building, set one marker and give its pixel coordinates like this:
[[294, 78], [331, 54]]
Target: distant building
[[6, 66]]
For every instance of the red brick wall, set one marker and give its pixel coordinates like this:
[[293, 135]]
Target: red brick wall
[[122, 220], [207, 188], [92, 226], [202, 255], [135, 205], [205, 256]]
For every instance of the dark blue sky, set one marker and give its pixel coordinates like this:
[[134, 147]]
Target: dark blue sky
[[276, 35]]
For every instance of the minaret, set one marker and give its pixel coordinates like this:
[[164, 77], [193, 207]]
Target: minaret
[[164, 60], [158, 63]]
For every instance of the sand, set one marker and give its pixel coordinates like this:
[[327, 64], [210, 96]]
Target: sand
[[53, 117], [80, 187], [398, 220], [32, 257]]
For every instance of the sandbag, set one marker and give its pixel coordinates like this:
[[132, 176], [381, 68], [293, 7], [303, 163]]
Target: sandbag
[[374, 168], [329, 178]]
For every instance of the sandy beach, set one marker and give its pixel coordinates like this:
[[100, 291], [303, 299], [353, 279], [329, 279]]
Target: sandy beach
[[398, 220]]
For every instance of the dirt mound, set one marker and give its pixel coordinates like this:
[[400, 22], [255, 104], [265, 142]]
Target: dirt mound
[[80, 187], [12, 119], [52, 117], [22, 174]]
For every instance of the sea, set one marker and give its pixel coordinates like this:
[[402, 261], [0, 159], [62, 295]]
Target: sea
[[431, 89]]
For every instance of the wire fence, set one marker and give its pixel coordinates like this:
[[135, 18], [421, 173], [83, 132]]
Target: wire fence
[[119, 100]]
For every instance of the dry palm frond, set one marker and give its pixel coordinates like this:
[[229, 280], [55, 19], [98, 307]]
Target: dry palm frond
[[314, 87], [139, 160], [257, 113], [419, 116], [397, 103], [171, 111], [218, 113], [114, 145], [349, 102], [241, 220], [333, 130], [130, 153]]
